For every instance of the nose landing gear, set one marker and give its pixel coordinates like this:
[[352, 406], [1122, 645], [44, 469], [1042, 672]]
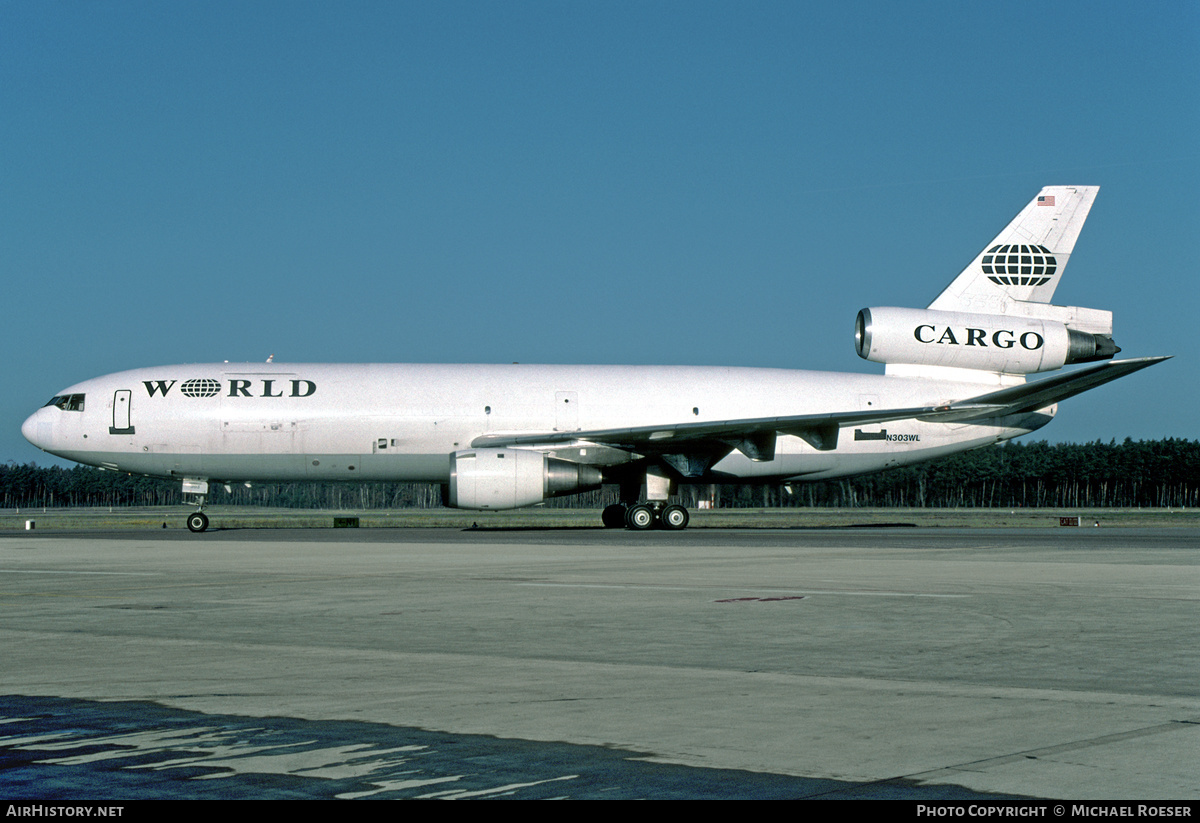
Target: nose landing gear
[[197, 521]]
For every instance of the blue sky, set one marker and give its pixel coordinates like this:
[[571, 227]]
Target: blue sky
[[569, 182]]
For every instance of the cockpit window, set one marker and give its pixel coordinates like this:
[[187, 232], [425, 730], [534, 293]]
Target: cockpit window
[[67, 402]]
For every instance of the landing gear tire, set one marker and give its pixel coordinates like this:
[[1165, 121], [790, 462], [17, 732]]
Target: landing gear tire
[[640, 517], [197, 521], [613, 517], [674, 518]]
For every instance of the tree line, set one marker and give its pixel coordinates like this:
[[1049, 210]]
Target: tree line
[[1143, 473]]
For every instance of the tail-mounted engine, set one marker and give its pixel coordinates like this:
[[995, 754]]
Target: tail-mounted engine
[[1008, 344], [511, 478]]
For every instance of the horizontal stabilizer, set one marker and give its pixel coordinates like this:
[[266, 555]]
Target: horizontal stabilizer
[[1032, 396]]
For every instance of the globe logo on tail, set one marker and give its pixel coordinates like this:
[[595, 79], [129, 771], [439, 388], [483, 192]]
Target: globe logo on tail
[[1017, 265]]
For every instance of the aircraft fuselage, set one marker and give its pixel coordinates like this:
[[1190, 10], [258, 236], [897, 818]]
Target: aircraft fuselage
[[290, 422]]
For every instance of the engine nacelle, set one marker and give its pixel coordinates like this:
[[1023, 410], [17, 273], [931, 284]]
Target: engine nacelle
[[998, 343], [510, 478]]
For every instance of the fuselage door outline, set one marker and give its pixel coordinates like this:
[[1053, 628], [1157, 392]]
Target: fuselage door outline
[[121, 422]]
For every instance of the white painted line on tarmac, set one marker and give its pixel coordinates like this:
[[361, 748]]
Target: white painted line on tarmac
[[772, 591], [59, 571]]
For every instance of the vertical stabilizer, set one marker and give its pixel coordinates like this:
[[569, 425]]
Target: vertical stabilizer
[[1024, 263]]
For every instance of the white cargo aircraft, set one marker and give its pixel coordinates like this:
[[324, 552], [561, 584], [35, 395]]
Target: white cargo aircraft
[[505, 436]]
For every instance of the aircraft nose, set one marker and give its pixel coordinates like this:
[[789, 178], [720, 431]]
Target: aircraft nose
[[37, 430]]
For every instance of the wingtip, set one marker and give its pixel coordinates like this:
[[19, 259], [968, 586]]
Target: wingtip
[[1141, 361]]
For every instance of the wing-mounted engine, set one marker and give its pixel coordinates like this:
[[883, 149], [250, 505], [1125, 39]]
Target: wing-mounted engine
[[1019, 343], [510, 478]]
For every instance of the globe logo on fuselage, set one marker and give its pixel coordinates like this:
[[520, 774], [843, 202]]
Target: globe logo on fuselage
[[1014, 265], [200, 387]]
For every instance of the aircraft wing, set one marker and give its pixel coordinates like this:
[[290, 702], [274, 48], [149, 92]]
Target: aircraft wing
[[672, 437], [755, 437]]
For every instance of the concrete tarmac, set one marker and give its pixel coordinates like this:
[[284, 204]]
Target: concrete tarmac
[[792, 662]]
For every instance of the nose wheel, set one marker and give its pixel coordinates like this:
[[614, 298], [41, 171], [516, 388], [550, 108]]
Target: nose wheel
[[197, 521]]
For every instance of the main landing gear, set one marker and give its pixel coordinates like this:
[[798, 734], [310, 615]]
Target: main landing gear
[[643, 516], [655, 513]]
